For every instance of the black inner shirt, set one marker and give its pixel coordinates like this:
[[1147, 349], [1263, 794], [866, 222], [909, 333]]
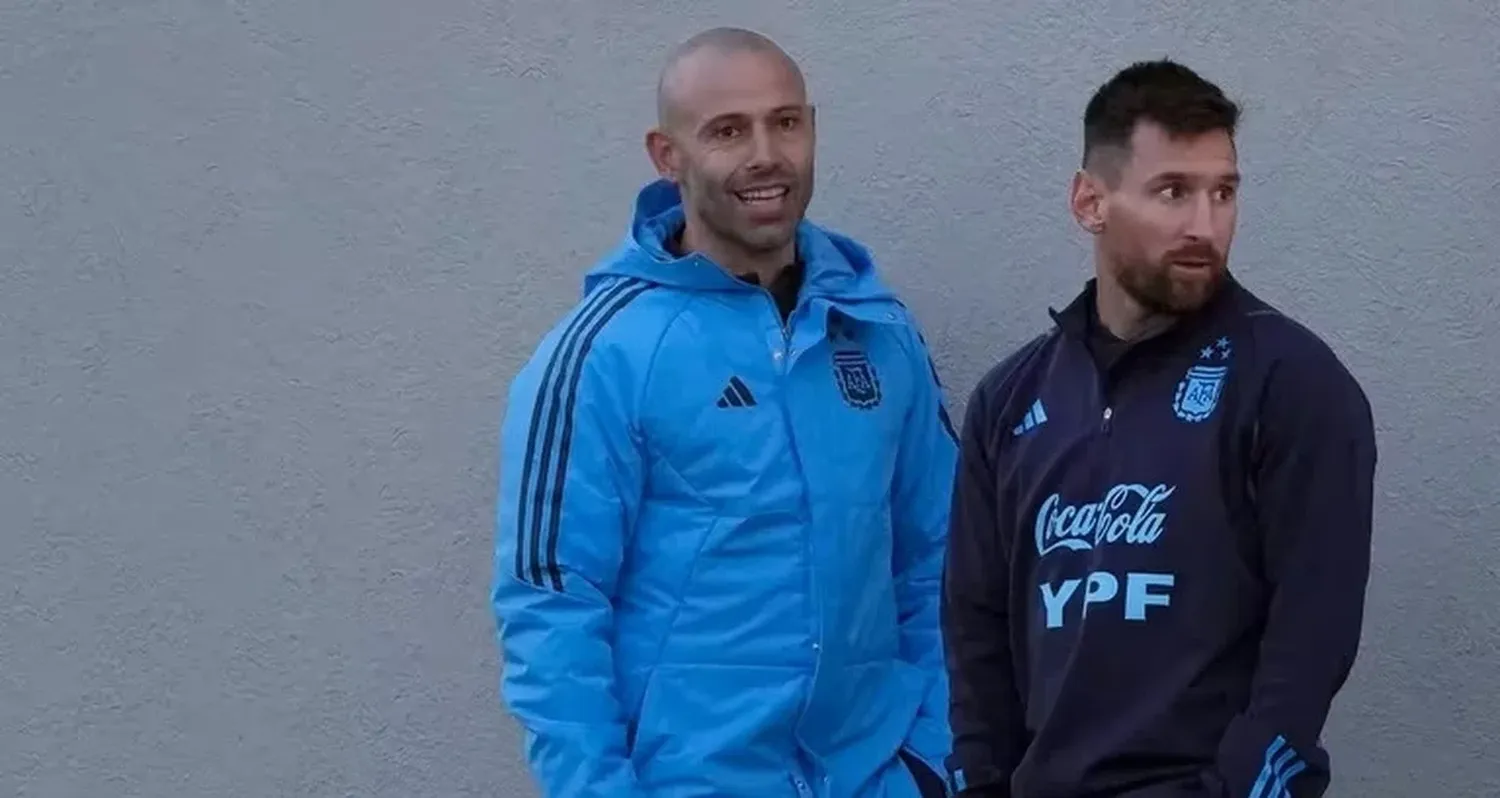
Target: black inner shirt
[[1106, 348], [1103, 345], [784, 288]]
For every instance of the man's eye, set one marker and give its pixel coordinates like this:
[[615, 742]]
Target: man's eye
[[790, 123], [725, 132]]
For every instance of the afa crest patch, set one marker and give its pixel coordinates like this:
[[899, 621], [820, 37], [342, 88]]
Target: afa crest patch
[[1201, 387], [856, 379]]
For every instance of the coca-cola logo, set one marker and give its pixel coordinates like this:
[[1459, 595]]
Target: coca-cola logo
[[1128, 513]]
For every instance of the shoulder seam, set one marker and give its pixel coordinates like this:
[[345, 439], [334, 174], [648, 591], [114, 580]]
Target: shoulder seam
[[1008, 371], [541, 496], [656, 346], [916, 337]]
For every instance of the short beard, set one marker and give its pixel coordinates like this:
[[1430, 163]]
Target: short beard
[[716, 210], [1153, 288], [751, 244]]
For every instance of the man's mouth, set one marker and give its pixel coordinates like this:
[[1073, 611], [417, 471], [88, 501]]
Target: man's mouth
[[762, 195], [1193, 263]]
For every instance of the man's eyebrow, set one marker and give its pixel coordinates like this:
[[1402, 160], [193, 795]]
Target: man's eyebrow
[[727, 116], [739, 116], [1188, 177]]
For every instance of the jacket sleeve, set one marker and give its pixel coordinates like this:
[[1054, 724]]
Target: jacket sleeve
[[1313, 479], [985, 714], [570, 484], [920, 500]]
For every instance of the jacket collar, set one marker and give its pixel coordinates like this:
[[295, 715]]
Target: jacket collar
[[1079, 317]]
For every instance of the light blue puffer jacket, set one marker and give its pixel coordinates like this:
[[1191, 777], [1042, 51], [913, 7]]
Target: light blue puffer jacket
[[720, 539]]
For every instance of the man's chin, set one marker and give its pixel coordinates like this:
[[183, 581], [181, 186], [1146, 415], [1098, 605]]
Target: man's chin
[[768, 238], [1189, 296]]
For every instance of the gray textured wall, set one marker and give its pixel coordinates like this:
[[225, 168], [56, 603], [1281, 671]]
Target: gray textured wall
[[265, 268]]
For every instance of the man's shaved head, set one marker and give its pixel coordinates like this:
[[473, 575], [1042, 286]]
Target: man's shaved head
[[715, 42], [735, 133]]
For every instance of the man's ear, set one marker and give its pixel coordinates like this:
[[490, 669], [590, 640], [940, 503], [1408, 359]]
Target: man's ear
[[1087, 201], [663, 153]]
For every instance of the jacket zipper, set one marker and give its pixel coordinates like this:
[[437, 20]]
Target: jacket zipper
[[1101, 381], [784, 361], [785, 354]]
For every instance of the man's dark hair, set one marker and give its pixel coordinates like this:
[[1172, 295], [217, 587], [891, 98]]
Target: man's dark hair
[[1163, 92]]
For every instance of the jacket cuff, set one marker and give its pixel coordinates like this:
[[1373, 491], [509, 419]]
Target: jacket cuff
[[1254, 759], [979, 782]]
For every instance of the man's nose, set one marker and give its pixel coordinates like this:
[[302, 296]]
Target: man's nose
[[1201, 221], [762, 150]]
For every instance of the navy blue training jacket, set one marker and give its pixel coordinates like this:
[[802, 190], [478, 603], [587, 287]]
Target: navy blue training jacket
[[1157, 563]]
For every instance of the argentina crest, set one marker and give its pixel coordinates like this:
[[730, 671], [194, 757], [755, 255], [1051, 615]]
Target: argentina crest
[[1200, 388], [856, 378]]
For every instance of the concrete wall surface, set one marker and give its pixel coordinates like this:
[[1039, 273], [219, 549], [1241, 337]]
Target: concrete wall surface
[[266, 268]]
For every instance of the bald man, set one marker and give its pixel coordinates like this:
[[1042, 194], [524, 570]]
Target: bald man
[[725, 483]]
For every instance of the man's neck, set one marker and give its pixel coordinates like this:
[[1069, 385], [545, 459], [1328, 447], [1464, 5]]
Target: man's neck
[[1124, 317], [765, 266]]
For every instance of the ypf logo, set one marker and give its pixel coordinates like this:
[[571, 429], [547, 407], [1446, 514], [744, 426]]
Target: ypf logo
[[1129, 514]]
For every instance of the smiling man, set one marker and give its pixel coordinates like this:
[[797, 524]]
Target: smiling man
[[1161, 532], [725, 482]]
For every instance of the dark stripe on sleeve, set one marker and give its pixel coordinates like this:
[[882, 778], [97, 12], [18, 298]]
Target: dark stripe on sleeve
[[943, 416], [527, 540], [565, 447]]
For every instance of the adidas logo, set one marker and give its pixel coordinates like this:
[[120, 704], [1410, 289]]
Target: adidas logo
[[1035, 417], [736, 395]]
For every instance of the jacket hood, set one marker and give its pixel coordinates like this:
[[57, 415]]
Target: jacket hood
[[837, 267]]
